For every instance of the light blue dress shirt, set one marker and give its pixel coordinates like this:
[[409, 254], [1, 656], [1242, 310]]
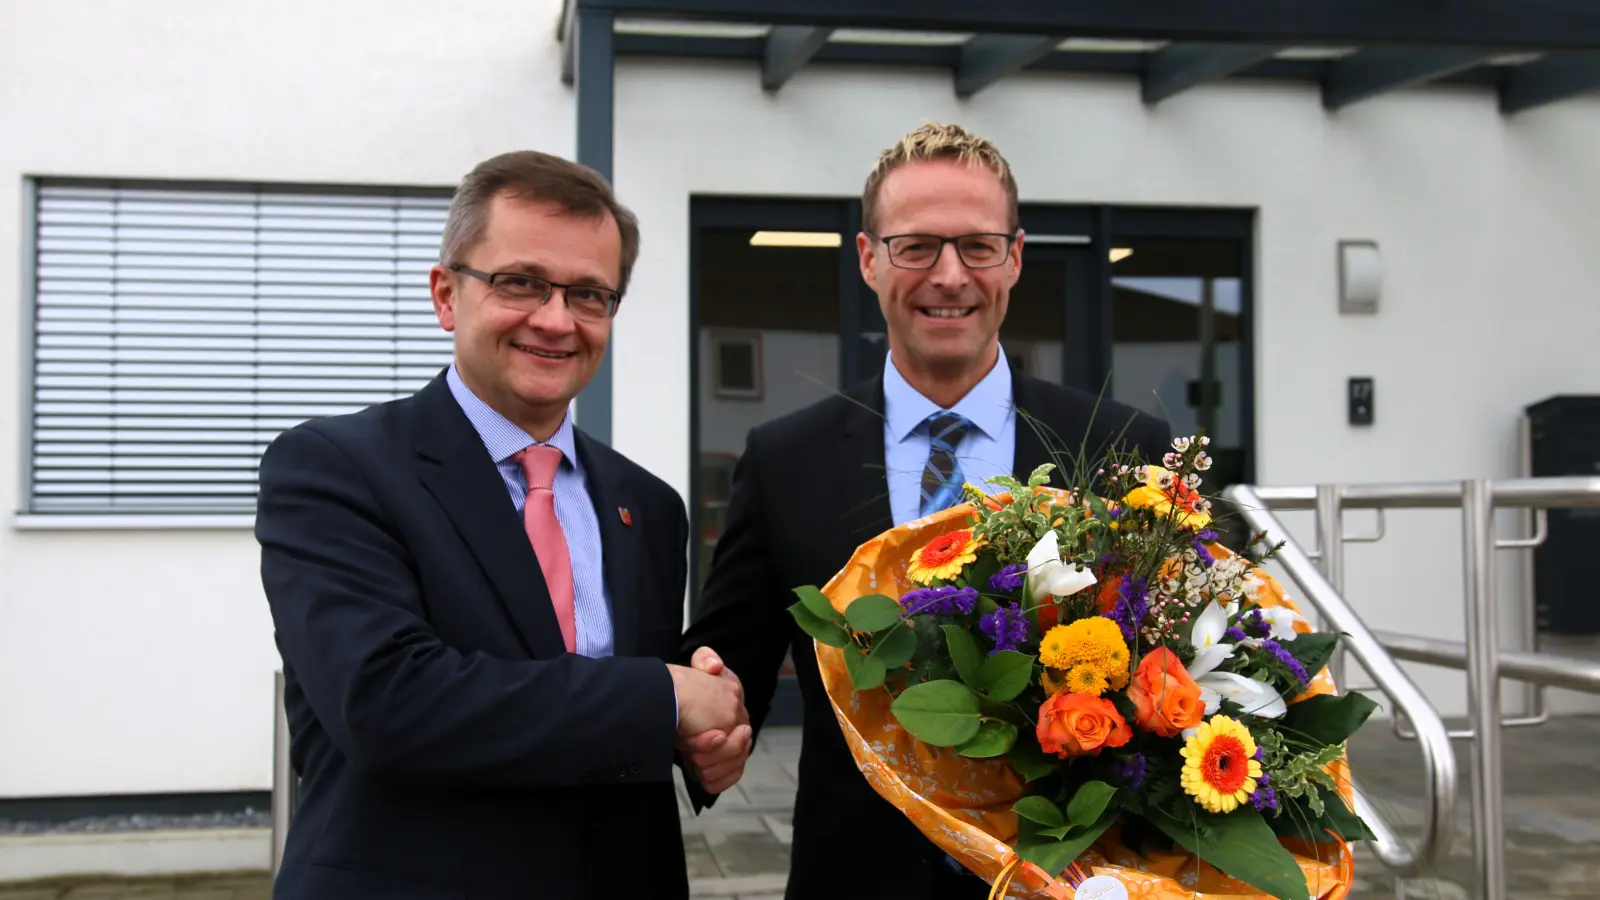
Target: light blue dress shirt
[[987, 450], [574, 509]]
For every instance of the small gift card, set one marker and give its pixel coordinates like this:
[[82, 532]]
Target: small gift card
[[1101, 887]]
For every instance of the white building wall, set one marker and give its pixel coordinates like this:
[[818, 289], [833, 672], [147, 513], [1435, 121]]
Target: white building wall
[[141, 661], [1484, 222], [134, 662]]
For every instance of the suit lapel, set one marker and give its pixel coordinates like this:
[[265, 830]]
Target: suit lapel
[[861, 474], [620, 543], [1031, 450], [457, 471]]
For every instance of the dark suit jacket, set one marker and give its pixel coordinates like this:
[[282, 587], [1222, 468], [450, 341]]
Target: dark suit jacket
[[809, 489], [449, 747]]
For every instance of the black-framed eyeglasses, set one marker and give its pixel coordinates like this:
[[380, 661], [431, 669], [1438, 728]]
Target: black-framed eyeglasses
[[921, 251], [529, 292]]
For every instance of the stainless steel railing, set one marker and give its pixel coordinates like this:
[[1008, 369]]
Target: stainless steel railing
[[1480, 655], [1439, 787], [285, 784]]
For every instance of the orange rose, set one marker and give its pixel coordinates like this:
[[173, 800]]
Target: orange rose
[[1165, 699], [1079, 725]]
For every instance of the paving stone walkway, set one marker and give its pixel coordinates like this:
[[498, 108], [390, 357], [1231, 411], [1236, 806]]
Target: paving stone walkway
[[739, 850]]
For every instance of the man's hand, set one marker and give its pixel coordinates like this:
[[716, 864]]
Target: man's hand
[[716, 747]]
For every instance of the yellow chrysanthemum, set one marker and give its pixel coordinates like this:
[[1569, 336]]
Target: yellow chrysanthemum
[[1220, 771], [943, 557], [1086, 679], [1183, 501], [1088, 647]]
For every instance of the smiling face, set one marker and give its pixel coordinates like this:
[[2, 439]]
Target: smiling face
[[943, 321], [528, 362]]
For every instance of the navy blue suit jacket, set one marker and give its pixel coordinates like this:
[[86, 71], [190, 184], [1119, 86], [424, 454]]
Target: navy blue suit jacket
[[448, 745]]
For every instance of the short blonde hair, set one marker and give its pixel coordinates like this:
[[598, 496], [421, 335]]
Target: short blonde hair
[[937, 140]]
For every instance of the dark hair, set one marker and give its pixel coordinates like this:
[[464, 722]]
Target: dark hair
[[531, 175]]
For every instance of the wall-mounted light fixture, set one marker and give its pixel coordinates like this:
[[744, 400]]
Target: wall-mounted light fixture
[[1360, 277]]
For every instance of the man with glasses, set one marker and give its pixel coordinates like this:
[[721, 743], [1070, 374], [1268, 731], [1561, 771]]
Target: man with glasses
[[474, 600], [941, 247]]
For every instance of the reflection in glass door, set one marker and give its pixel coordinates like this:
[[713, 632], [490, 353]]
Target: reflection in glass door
[[1177, 343]]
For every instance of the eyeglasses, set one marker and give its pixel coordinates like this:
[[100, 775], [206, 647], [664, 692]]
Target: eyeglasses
[[529, 292], [921, 251]]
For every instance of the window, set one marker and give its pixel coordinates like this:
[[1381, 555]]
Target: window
[[178, 330], [738, 366]]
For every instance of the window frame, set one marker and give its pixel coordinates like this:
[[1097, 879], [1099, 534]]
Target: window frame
[[27, 515]]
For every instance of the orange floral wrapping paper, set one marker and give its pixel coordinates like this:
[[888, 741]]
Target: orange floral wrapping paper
[[964, 804]]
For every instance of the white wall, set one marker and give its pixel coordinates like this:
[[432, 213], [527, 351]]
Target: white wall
[[1485, 225], [134, 662]]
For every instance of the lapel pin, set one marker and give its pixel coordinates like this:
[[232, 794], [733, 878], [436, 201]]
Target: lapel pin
[[627, 517]]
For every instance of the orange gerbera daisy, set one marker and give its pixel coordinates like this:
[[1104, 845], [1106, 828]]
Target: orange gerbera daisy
[[943, 557], [1220, 770]]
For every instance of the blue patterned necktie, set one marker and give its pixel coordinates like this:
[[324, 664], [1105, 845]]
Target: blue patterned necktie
[[941, 477]]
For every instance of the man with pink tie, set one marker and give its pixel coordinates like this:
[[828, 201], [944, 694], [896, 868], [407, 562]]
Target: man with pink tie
[[475, 601]]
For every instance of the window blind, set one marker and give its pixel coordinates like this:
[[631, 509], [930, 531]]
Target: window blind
[[178, 331]]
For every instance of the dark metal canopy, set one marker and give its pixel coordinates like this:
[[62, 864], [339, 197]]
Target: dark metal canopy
[[1531, 53]]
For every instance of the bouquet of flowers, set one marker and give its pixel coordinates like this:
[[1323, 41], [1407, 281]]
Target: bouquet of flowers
[[1054, 683]]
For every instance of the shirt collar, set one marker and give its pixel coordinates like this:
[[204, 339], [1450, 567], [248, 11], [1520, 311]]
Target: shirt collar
[[987, 406], [500, 437]]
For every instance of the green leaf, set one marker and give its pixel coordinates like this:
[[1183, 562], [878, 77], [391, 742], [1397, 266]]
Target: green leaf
[[1039, 809], [1313, 650], [1243, 846], [1057, 833], [964, 654], [1326, 719], [1005, 674], [940, 713], [993, 739], [1341, 820], [866, 671], [816, 601], [1054, 856], [873, 612], [1030, 761], [1090, 802], [825, 630], [894, 648]]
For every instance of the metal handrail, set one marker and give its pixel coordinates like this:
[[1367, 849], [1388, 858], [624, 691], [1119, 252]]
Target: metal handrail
[[1480, 655], [285, 784], [1438, 757]]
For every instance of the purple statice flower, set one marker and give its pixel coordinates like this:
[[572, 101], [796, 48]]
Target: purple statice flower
[[1207, 536], [939, 601], [1115, 512], [1200, 550], [1255, 624], [1106, 561], [1237, 636], [1132, 608], [1006, 626], [1264, 798], [1287, 658], [1131, 772], [1009, 579]]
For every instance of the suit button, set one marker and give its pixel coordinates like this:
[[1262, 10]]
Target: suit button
[[635, 769]]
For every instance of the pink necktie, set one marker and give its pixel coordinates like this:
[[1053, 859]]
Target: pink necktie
[[539, 464]]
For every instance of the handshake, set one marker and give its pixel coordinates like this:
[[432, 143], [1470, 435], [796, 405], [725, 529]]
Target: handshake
[[714, 733]]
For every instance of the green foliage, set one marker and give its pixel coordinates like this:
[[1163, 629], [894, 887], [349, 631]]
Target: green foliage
[[939, 713], [1240, 844], [872, 613]]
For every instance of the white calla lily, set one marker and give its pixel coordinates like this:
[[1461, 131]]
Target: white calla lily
[[1209, 651], [1281, 619], [1252, 696], [1049, 576]]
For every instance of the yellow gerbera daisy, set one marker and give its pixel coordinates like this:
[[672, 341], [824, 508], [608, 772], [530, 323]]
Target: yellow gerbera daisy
[[1220, 771], [943, 557]]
